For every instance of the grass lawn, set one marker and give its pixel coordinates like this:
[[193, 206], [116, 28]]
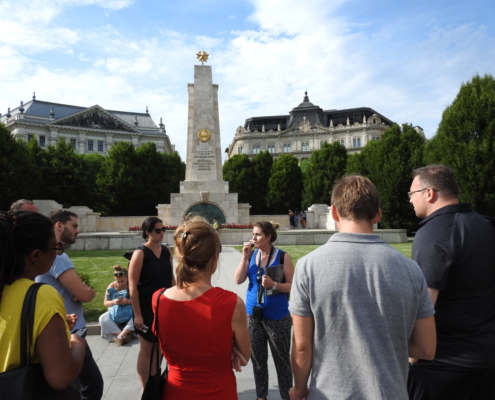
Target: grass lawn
[[98, 265]]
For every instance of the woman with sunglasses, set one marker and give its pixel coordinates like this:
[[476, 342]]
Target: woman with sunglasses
[[27, 249], [150, 269], [118, 302], [269, 320]]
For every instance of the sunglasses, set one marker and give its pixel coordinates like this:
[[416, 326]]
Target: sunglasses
[[159, 230], [59, 248], [119, 273]]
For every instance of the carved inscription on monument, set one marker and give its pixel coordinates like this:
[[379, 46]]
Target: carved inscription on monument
[[204, 160]]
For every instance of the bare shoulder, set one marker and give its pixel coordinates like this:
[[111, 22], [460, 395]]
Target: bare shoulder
[[240, 304]]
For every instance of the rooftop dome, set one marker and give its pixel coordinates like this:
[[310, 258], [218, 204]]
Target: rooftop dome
[[306, 102]]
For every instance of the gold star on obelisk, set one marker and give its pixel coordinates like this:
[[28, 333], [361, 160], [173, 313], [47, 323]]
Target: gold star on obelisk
[[202, 56]]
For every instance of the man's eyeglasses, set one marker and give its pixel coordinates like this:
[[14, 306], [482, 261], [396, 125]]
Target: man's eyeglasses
[[159, 230], [59, 248], [420, 190], [119, 273]]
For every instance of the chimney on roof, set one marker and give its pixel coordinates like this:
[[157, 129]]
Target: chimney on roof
[[146, 109], [52, 113], [34, 95], [21, 108], [136, 123]]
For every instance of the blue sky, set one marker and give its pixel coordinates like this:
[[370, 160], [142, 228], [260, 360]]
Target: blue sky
[[406, 59]]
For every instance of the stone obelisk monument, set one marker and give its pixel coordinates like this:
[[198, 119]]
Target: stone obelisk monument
[[204, 192], [204, 152]]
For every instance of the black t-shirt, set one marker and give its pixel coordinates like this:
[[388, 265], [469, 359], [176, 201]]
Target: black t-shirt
[[455, 248]]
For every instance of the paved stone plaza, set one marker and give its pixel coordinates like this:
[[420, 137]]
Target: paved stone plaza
[[118, 364]]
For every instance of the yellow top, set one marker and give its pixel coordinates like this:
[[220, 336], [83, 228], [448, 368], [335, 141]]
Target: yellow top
[[48, 303]]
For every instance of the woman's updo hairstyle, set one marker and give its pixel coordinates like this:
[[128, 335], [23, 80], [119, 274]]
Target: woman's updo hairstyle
[[196, 244], [21, 232], [118, 268], [148, 225], [268, 229]]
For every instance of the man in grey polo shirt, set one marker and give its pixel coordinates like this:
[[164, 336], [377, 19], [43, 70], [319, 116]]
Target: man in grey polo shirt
[[359, 308]]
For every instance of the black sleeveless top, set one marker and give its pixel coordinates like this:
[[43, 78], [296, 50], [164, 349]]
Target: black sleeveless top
[[155, 274]]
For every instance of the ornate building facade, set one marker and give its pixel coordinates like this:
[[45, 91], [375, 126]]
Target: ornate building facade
[[306, 128], [87, 129]]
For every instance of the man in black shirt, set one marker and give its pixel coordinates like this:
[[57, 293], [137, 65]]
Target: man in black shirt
[[455, 248]]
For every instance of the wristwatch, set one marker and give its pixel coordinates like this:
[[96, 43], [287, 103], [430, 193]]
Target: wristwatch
[[274, 287]]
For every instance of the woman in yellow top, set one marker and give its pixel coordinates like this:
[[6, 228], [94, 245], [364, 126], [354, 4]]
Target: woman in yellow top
[[28, 249]]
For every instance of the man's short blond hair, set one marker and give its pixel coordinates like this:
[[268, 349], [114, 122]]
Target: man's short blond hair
[[355, 198]]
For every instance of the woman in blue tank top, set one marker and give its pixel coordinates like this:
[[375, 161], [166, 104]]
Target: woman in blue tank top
[[269, 320]]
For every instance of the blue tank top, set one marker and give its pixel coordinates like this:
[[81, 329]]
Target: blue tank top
[[274, 307]]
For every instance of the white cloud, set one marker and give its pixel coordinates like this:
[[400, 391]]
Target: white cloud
[[299, 46]]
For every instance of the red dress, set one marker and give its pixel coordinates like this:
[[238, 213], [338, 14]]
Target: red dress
[[196, 339]]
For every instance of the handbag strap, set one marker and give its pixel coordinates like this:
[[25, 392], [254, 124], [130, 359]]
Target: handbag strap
[[155, 336], [27, 323]]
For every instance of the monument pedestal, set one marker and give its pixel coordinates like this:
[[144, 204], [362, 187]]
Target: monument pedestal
[[204, 192]]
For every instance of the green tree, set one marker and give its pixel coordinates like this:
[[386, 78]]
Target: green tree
[[68, 177], [261, 166], [18, 172], [175, 172], [465, 141], [324, 167], [389, 162], [285, 185], [238, 172], [120, 179]]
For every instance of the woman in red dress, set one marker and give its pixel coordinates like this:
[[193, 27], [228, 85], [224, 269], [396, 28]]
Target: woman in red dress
[[203, 329]]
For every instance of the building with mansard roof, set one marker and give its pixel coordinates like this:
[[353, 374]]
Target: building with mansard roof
[[306, 128], [88, 129]]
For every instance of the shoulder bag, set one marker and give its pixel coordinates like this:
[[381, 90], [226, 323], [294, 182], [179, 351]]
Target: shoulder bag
[[154, 385], [27, 382]]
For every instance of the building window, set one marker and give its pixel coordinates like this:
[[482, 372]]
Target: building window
[[356, 142], [286, 147], [305, 147], [256, 149], [73, 143], [100, 146], [240, 150], [321, 143], [30, 137], [375, 138], [271, 148], [90, 145], [42, 141], [341, 141]]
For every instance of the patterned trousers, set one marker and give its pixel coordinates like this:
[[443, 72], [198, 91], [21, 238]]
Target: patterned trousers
[[277, 334]]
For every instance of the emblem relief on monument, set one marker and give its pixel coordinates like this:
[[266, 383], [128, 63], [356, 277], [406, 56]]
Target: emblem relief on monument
[[204, 195], [204, 135]]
